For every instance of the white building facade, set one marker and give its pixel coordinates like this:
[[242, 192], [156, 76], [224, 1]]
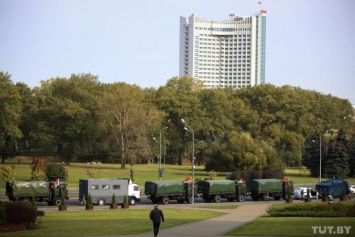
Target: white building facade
[[228, 53]]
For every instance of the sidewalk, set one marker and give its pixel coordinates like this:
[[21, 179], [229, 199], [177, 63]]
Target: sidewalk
[[215, 226]]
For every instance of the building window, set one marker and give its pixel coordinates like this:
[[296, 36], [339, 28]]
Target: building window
[[94, 187], [105, 187]]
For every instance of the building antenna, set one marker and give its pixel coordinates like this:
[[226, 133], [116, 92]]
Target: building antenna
[[259, 2]]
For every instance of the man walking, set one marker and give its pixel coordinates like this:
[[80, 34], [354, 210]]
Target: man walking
[[156, 215]]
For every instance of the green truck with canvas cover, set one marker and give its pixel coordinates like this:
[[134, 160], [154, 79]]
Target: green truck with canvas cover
[[265, 188], [164, 191], [215, 190], [41, 190]]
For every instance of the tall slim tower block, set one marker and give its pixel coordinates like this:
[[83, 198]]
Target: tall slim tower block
[[229, 53]]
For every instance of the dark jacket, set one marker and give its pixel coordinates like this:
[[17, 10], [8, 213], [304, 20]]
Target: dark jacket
[[156, 215]]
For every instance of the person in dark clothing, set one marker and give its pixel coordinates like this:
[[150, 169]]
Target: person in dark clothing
[[156, 215]]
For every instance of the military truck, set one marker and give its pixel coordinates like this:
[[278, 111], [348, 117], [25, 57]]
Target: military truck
[[215, 190], [266, 188], [333, 187], [165, 191], [24, 191], [101, 190]]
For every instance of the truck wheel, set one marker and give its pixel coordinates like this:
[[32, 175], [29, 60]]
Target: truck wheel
[[165, 200], [217, 198], [101, 202], [57, 202], [26, 200], [189, 200], [241, 198], [132, 201]]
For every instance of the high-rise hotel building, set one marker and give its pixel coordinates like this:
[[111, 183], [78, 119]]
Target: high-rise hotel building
[[229, 53]]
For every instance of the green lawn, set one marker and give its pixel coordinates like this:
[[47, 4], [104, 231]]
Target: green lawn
[[294, 226], [109, 222]]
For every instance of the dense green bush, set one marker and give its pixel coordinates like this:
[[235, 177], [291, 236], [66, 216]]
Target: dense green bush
[[56, 171], [313, 210], [17, 216]]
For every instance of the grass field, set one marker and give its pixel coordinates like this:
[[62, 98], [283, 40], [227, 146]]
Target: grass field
[[108, 222], [294, 227]]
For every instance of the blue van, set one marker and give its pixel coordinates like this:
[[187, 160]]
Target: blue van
[[334, 187]]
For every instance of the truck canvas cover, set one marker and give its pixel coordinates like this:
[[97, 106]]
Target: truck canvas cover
[[27, 188], [264, 185], [216, 186], [164, 187]]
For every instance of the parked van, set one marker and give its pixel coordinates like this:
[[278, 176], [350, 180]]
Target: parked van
[[297, 193], [101, 190]]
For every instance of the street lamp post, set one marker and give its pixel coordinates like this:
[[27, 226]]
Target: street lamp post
[[160, 171], [320, 156], [160, 156], [187, 128]]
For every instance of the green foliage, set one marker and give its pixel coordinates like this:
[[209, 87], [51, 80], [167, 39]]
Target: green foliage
[[10, 114], [123, 110], [8, 172], [89, 200], [55, 171], [289, 193], [339, 209], [33, 201], [113, 200], [334, 154], [125, 200], [62, 199], [38, 169], [336, 159], [257, 128], [212, 175]]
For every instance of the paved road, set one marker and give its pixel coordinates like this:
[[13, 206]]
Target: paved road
[[217, 226]]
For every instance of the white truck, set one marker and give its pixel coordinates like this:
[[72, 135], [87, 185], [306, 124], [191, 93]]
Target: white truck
[[101, 190]]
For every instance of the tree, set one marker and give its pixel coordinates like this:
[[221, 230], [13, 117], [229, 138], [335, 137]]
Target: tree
[[38, 169], [56, 171], [8, 172], [10, 115], [29, 122], [68, 112], [127, 121], [312, 153], [351, 154], [179, 100], [336, 160]]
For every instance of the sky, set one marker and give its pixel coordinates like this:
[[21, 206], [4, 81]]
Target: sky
[[309, 44]]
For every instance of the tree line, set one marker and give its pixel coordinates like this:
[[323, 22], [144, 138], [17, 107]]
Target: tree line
[[256, 128]]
